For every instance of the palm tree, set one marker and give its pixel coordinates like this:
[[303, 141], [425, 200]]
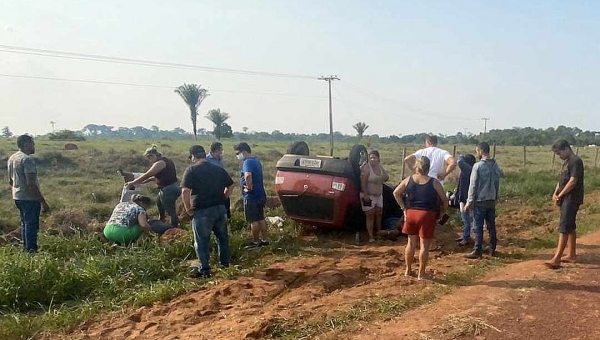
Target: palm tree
[[192, 95], [218, 118], [360, 128]]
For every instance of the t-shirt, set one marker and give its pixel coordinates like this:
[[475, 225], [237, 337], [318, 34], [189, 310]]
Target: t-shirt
[[18, 165], [126, 214], [437, 158], [207, 182], [573, 167], [252, 165], [215, 161]]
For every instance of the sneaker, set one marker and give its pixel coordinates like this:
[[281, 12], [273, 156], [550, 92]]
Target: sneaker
[[196, 273], [252, 245], [473, 255], [490, 251], [262, 243]]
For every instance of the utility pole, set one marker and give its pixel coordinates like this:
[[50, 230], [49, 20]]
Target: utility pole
[[52, 123], [485, 126], [329, 79]]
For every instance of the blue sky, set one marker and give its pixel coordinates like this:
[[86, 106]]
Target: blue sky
[[405, 67]]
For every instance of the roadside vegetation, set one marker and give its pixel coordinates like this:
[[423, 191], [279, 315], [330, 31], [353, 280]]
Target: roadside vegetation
[[77, 275]]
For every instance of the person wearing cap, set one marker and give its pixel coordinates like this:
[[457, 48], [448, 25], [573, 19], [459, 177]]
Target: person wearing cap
[[253, 193], [163, 172], [211, 185], [128, 220]]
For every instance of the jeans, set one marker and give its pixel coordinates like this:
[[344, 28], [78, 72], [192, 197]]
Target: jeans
[[165, 202], [467, 219], [489, 216], [204, 221], [29, 212]]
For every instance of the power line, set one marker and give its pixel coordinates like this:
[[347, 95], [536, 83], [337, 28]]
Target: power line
[[118, 60], [101, 82], [328, 80], [405, 106]]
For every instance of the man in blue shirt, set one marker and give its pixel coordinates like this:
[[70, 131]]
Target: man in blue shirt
[[253, 193]]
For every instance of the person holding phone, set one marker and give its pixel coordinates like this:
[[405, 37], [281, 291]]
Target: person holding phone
[[423, 200], [372, 177]]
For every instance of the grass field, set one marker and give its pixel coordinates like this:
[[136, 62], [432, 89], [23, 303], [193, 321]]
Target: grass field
[[77, 275]]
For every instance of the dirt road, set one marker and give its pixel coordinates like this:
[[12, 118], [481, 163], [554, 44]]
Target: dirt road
[[322, 295]]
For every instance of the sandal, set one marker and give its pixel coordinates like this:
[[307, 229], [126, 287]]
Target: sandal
[[436, 248], [463, 243]]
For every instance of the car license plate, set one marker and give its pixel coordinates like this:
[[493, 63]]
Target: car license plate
[[310, 163]]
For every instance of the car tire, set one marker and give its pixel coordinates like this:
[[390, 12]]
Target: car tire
[[357, 155], [298, 148]]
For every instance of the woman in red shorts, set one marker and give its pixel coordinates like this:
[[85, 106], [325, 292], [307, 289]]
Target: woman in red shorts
[[423, 201]]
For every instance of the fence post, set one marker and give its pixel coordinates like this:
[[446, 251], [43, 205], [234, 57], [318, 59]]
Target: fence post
[[596, 159], [494, 151], [454, 151], [403, 164], [524, 156], [577, 151], [553, 157]]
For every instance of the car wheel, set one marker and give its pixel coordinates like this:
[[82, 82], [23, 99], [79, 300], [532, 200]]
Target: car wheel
[[298, 148], [357, 157]]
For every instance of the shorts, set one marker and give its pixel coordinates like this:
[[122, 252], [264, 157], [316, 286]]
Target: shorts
[[420, 222], [376, 201], [254, 210], [122, 235], [568, 214]]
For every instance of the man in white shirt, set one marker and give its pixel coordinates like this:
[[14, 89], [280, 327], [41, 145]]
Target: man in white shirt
[[442, 162]]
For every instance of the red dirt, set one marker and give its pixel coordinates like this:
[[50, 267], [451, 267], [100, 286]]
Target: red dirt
[[520, 299]]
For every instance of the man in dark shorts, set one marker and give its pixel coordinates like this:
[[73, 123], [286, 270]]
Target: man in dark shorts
[[253, 193], [568, 195], [211, 185]]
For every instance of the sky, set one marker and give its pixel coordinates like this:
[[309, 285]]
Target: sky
[[404, 66]]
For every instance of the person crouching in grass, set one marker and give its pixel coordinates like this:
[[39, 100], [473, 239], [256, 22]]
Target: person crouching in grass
[[128, 220], [424, 201]]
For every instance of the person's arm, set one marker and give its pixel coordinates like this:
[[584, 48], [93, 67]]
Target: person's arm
[[143, 222], [565, 191], [410, 161], [228, 191], [443, 200], [157, 167], [32, 186], [186, 197], [364, 177], [399, 193], [472, 187], [248, 179], [451, 165]]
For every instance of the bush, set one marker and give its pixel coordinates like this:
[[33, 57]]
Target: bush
[[68, 220], [66, 135]]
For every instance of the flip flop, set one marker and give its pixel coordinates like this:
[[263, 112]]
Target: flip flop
[[436, 248], [552, 266], [458, 239], [567, 260]]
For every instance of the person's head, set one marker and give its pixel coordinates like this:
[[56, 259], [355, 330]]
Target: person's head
[[562, 149], [374, 157], [25, 144], [470, 159], [242, 150], [216, 150], [482, 149], [197, 153], [141, 200], [152, 154], [422, 166], [431, 140]]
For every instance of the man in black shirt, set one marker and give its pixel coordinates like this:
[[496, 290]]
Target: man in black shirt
[[211, 186], [568, 195]]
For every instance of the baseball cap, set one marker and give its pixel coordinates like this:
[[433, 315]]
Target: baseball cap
[[197, 151]]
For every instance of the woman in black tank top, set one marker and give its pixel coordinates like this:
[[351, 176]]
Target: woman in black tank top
[[422, 199], [164, 173]]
